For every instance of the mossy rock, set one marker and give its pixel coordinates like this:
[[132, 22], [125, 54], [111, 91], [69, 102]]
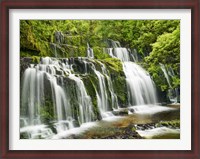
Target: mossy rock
[[171, 123], [70, 90], [118, 79], [90, 82], [113, 64], [99, 53]]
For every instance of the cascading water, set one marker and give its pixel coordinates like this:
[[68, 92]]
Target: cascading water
[[139, 84], [102, 93], [114, 100], [90, 53], [45, 89], [85, 104], [122, 54], [55, 90], [102, 97], [134, 55], [33, 100], [169, 74], [140, 87]]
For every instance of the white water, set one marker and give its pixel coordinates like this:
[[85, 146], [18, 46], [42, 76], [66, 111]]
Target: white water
[[53, 71], [105, 87], [110, 51], [148, 109], [166, 74], [86, 126], [140, 86], [156, 132], [37, 132], [114, 100], [90, 53], [84, 100], [122, 54], [134, 55], [33, 96], [169, 73], [74, 131], [102, 96], [141, 89]]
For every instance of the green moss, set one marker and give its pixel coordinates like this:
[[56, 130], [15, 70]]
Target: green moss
[[90, 82], [43, 47], [82, 51], [113, 64], [120, 89], [36, 59], [75, 40], [171, 123], [99, 54], [118, 79]]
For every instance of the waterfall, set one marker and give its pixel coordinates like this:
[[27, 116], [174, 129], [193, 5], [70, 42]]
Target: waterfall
[[34, 98], [140, 86], [122, 54], [84, 100], [105, 90], [51, 73], [102, 94], [90, 53], [165, 74], [114, 100], [172, 92], [109, 51], [113, 44], [54, 96], [59, 37], [134, 55]]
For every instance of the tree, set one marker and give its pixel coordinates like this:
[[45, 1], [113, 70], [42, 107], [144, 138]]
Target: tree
[[166, 50]]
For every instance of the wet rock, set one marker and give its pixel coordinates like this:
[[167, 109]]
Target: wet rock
[[145, 126], [127, 133], [131, 110], [75, 123]]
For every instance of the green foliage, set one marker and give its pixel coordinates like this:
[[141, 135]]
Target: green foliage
[[99, 54], [175, 82], [166, 50], [34, 36], [113, 64], [36, 59], [37, 35], [156, 41], [140, 34]]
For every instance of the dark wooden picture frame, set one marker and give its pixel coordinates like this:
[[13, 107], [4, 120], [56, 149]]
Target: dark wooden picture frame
[[194, 5]]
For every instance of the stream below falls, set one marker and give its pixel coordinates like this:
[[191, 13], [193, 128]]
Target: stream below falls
[[135, 125]]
